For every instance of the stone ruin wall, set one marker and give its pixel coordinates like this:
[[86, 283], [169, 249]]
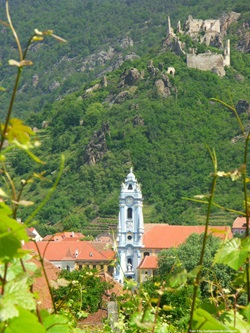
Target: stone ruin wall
[[198, 25], [205, 61]]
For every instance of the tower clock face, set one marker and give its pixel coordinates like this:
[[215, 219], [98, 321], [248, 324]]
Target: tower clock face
[[129, 200]]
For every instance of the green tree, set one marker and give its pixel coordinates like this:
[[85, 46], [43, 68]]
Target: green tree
[[187, 256], [83, 294]]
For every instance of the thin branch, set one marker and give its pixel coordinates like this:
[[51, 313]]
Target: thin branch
[[14, 31], [232, 108], [4, 132], [198, 276], [4, 278], [247, 213]]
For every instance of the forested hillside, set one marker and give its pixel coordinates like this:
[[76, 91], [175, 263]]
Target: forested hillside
[[100, 35], [124, 120]]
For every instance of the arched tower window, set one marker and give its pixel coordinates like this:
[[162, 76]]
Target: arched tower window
[[130, 187], [130, 213], [130, 261], [129, 265]]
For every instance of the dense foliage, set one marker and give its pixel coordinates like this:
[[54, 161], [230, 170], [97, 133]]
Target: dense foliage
[[164, 139], [81, 294], [187, 256]]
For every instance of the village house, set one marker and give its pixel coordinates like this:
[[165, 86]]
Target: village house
[[239, 226], [75, 254]]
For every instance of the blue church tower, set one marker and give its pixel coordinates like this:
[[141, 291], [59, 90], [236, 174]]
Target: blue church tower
[[130, 229]]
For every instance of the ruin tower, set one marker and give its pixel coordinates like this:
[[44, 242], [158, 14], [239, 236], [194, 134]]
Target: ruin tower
[[170, 30], [130, 230], [227, 53]]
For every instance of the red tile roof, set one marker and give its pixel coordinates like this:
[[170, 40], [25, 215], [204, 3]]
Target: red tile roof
[[148, 262], [40, 285], [64, 236], [70, 250], [104, 248], [163, 236], [239, 222]]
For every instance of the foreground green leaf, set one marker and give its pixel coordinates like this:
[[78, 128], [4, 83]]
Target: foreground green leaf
[[204, 322], [16, 295], [242, 325], [25, 322], [233, 253], [55, 323], [11, 234]]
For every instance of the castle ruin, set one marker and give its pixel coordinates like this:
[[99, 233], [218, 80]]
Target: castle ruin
[[209, 32]]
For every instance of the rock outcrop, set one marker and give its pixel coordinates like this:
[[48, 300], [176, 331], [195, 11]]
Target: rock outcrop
[[121, 97], [243, 106], [97, 146], [226, 20], [244, 35], [138, 121], [132, 77], [35, 80], [163, 86], [153, 71], [129, 77], [54, 85]]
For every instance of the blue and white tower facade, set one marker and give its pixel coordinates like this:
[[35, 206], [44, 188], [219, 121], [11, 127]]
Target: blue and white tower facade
[[130, 229]]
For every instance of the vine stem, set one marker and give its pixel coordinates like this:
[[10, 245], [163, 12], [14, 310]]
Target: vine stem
[[4, 278], [198, 276], [3, 133], [22, 57], [247, 212]]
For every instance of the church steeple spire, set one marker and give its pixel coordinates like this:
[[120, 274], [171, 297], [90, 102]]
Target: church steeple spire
[[130, 228]]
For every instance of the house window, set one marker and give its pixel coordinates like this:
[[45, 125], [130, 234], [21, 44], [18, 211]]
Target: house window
[[80, 267], [129, 213], [94, 266], [102, 266], [146, 254], [110, 269], [68, 268]]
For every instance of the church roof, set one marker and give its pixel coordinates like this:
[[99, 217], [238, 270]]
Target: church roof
[[163, 236], [148, 262]]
